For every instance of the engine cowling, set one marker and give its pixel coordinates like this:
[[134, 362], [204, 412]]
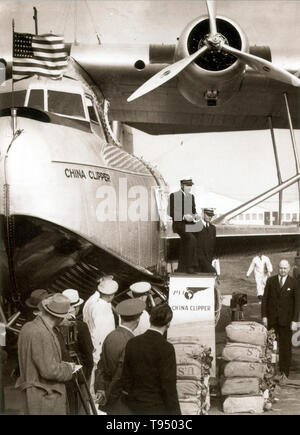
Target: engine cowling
[[215, 76]]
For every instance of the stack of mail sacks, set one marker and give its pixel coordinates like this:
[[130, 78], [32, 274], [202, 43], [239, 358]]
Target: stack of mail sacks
[[248, 369], [193, 370]]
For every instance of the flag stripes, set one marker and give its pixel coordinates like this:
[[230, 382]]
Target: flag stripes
[[38, 54]]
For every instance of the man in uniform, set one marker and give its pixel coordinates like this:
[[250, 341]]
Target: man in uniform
[[98, 314], [149, 370], [279, 310], [108, 386], [42, 372], [206, 243], [182, 210]]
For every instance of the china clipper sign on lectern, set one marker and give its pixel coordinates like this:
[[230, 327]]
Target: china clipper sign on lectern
[[191, 298]]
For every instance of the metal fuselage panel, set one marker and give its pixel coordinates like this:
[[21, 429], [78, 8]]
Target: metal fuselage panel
[[59, 175]]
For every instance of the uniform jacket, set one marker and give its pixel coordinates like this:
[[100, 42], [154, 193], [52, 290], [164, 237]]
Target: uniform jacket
[[42, 372], [180, 204], [207, 243], [280, 306], [149, 375], [98, 315], [110, 365]]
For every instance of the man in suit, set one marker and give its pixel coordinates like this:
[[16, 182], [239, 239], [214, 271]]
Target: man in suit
[[279, 310], [108, 386], [43, 373], [182, 210], [206, 243], [149, 370]]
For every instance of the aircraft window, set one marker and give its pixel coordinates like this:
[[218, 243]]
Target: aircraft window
[[92, 114], [36, 99], [65, 103], [6, 101]]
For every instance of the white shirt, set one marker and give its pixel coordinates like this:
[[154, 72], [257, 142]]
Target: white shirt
[[144, 324], [283, 278], [98, 315]]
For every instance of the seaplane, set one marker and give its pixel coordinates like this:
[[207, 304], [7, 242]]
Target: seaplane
[[76, 204]]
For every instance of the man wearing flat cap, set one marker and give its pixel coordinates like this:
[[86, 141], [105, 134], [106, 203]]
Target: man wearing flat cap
[[108, 386], [182, 210], [42, 372], [98, 314], [206, 243]]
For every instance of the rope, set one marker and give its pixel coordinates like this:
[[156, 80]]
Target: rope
[[218, 298], [93, 22]]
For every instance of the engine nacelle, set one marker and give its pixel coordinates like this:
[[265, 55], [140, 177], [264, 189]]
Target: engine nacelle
[[215, 76]]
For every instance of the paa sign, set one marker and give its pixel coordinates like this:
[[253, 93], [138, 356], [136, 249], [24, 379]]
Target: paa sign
[[192, 300]]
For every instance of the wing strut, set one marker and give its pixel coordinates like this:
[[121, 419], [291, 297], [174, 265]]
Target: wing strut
[[277, 167], [293, 143]]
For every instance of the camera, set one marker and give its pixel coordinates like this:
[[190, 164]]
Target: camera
[[238, 300]]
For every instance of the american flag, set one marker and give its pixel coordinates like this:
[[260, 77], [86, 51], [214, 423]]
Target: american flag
[[38, 54]]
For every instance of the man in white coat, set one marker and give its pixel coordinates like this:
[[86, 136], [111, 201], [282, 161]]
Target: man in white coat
[[141, 291], [262, 268], [98, 314]]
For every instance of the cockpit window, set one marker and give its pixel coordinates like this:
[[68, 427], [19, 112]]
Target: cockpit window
[[36, 99], [65, 103], [91, 109]]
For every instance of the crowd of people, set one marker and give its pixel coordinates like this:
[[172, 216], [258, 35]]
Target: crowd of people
[[107, 345], [120, 352]]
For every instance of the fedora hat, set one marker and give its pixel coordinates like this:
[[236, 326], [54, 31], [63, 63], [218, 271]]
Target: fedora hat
[[57, 305], [108, 286], [140, 287], [73, 295], [36, 297]]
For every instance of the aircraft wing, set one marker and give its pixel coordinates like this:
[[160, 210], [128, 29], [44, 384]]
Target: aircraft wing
[[241, 240], [166, 111]]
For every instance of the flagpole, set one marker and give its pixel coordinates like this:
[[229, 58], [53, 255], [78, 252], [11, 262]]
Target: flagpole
[[36, 20]]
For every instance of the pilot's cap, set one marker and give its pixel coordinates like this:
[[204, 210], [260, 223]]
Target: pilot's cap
[[140, 288], [187, 181], [130, 307], [209, 211], [108, 287]]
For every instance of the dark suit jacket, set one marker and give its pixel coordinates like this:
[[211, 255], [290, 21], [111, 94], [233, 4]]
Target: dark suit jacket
[[280, 306], [207, 244], [149, 375], [110, 365], [181, 204]]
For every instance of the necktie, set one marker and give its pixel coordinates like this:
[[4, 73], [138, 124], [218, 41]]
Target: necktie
[[281, 282]]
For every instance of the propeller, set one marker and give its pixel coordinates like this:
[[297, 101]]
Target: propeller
[[215, 41], [165, 75], [264, 67], [211, 9]]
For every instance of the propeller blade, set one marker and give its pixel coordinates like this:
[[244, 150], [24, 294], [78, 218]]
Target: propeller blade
[[264, 67], [211, 9], [165, 75]]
